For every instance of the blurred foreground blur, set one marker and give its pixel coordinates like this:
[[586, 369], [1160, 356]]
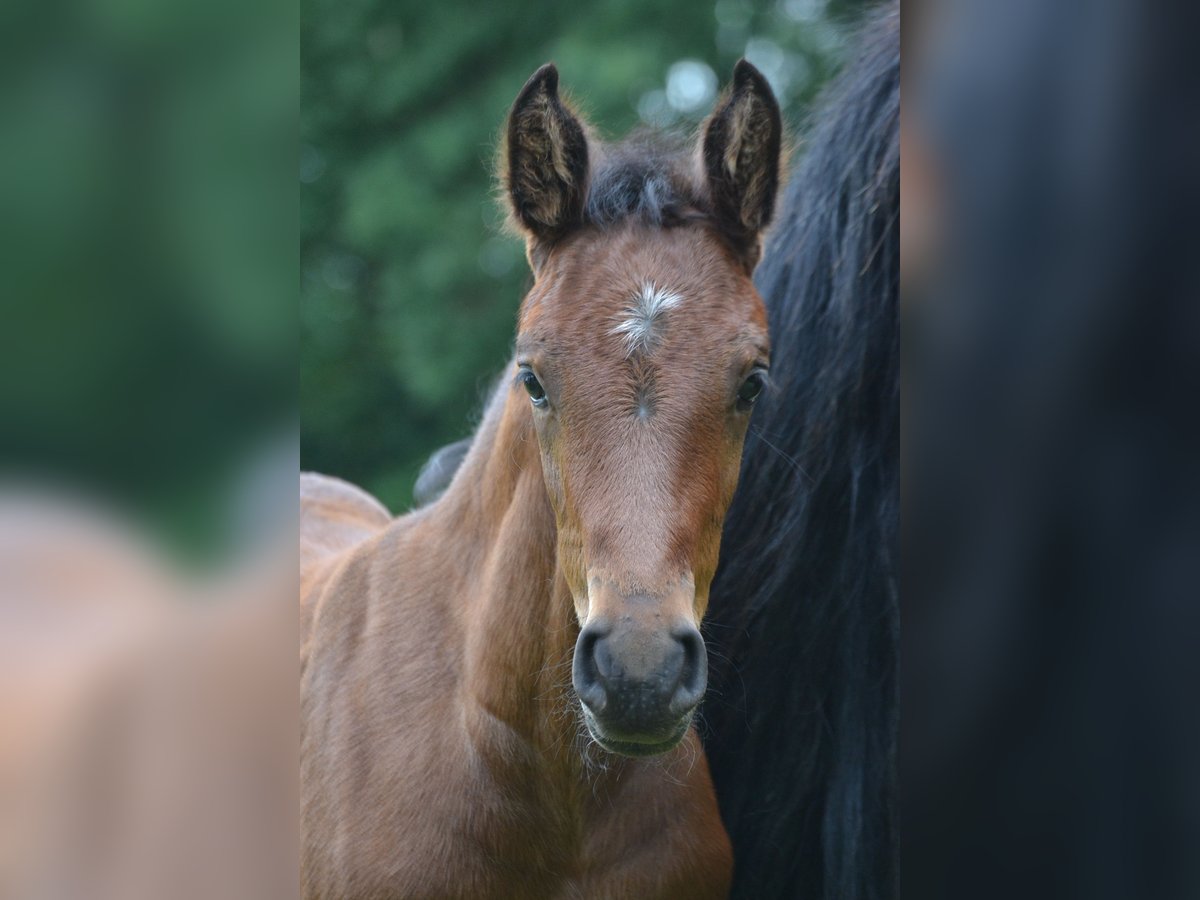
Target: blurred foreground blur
[[148, 704], [1051, 503], [147, 721], [147, 260]]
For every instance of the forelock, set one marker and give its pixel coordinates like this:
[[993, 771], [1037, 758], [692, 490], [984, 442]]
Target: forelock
[[646, 178]]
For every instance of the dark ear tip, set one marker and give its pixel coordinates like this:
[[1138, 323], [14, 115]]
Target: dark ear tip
[[544, 79], [747, 75]]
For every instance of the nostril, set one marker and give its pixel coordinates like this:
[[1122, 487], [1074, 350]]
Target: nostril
[[587, 677], [694, 675]]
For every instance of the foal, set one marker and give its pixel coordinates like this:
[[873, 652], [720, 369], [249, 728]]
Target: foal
[[445, 750]]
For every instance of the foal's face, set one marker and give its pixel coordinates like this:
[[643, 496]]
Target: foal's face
[[642, 350]]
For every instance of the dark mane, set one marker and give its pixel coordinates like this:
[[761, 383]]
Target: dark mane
[[803, 621], [650, 177]]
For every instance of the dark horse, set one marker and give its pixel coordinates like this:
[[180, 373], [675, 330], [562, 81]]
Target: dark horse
[[803, 621]]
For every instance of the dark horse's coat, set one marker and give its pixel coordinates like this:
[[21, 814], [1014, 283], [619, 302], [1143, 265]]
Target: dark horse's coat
[[803, 621]]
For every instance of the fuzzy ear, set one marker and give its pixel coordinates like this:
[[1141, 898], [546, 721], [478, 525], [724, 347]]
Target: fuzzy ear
[[741, 154], [547, 159]]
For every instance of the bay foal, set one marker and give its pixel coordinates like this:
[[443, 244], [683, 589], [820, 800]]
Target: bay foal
[[497, 690]]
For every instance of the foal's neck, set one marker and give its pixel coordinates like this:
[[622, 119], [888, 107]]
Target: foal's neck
[[518, 617]]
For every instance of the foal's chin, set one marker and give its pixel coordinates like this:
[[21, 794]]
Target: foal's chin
[[639, 746]]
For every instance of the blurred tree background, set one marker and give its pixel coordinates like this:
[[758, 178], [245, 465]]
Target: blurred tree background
[[148, 257], [409, 287]]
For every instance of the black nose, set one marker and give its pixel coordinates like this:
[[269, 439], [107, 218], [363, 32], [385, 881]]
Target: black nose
[[638, 683]]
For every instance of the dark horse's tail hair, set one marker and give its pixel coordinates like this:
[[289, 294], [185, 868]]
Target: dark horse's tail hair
[[800, 722]]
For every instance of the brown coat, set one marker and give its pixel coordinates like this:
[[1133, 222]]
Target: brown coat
[[440, 753]]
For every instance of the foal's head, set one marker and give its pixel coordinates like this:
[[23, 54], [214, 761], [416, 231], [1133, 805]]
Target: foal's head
[[642, 346]]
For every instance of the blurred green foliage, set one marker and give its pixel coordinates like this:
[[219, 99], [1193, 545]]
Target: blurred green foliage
[[148, 251], [409, 287]]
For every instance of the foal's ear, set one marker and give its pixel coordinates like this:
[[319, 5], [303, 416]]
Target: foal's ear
[[546, 164], [741, 156]]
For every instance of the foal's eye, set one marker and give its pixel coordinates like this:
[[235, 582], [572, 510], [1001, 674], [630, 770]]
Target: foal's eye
[[751, 388], [533, 387]]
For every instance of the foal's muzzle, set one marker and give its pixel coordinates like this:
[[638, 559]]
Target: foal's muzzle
[[639, 686]]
